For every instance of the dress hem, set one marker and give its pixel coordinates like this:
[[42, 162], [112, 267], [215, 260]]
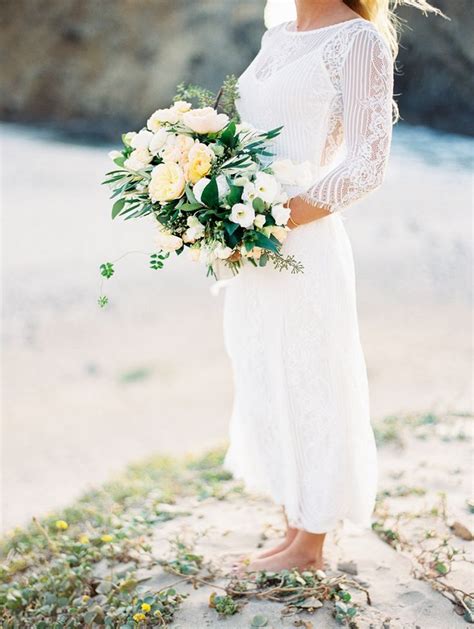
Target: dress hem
[[321, 529]]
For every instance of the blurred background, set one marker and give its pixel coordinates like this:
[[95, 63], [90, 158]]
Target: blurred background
[[87, 390]]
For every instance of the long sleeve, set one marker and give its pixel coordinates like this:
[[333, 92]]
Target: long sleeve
[[366, 84]]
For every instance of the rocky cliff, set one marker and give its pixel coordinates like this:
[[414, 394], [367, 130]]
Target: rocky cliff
[[98, 66], [436, 67]]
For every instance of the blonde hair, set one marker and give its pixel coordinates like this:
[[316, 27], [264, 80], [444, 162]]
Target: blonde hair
[[381, 14]]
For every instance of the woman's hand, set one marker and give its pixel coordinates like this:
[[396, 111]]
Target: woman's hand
[[303, 212]]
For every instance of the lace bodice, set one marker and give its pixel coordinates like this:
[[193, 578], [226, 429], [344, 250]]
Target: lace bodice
[[331, 89]]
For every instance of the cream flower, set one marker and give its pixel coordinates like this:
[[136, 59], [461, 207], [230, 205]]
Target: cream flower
[[169, 115], [176, 148], [167, 182], [114, 154], [158, 140], [128, 137], [200, 159], [259, 221], [267, 187], [138, 159], [281, 214], [195, 253], [181, 106], [166, 241], [195, 229], [242, 214], [205, 120], [250, 192], [142, 139], [279, 232], [222, 252]]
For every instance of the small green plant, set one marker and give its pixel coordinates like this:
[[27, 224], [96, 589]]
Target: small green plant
[[223, 604]]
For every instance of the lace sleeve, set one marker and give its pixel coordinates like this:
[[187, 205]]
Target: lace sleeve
[[367, 91]]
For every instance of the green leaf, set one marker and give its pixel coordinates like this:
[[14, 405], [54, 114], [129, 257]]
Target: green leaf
[[227, 136], [117, 207], [190, 194], [107, 269], [230, 227], [266, 243], [259, 621], [258, 205], [235, 195], [119, 160], [190, 207], [210, 194]]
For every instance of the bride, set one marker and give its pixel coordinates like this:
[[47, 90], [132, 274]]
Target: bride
[[300, 429]]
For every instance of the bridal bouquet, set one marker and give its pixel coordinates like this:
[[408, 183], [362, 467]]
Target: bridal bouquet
[[208, 181]]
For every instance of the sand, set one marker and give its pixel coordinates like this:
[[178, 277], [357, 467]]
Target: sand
[[86, 391]]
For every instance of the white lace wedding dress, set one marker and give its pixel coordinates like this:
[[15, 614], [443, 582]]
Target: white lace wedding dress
[[300, 430]]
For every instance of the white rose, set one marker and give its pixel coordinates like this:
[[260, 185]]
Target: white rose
[[242, 214], [249, 193], [199, 187], [158, 140], [128, 137], [181, 106], [160, 116], [222, 187], [259, 221], [142, 139], [267, 187], [222, 252], [138, 159], [167, 241], [114, 154], [195, 229], [205, 120], [281, 214]]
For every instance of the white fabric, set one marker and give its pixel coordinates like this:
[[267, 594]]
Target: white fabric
[[300, 429]]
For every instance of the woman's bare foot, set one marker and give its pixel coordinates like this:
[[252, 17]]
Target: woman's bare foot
[[289, 537], [287, 560], [304, 552]]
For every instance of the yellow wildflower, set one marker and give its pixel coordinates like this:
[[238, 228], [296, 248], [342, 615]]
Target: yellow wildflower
[[107, 538], [139, 617], [157, 614], [83, 539], [146, 608], [85, 598], [61, 525]]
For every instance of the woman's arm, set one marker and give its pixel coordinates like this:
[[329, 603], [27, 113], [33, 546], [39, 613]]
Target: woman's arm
[[367, 92]]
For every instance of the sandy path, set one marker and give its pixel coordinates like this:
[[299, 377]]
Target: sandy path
[[86, 390]]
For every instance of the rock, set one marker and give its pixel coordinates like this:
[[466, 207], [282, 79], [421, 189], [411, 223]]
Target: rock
[[350, 567], [436, 67], [461, 531], [98, 68]]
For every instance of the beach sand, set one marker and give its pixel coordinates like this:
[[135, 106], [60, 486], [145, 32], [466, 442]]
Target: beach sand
[[87, 390]]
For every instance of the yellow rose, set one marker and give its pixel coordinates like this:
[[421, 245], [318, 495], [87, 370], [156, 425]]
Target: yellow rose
[[167, 182], [200, 159], [61, 525]]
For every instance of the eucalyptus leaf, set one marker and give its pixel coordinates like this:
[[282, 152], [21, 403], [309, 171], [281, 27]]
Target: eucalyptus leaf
[[117, 207]]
